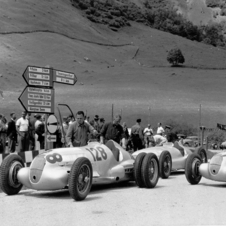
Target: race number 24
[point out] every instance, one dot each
(98, 153)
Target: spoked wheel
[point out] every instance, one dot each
(150, 170)
(8, 174)
(192, 169)
(202, 153)
(137, 170)
(80, 179)
(165, 164)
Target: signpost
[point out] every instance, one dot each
(37, 76)
(51, 138)
(37, 100)
(52, 124)
(38, 96)
(64, 77)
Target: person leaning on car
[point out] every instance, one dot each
(78, 131)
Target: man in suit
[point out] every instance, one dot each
(12, 133)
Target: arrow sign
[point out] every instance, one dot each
(51, 138)
(38, 76)
(37, 100)
(64, 77)
(52, 124)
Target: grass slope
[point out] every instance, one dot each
(127, 68)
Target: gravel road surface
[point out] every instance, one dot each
(173, 202)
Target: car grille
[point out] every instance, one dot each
(36, 168)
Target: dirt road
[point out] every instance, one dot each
(172, 202)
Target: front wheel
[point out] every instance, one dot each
(202, 153)
(192, 169)
(150, 170)
(80, 179)
(8, 174)
(165, 164)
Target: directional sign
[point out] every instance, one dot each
(64, 77)
(52, 124)
(38, 76)
(51, 138)
(36, 100)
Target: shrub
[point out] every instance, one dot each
(175, 57)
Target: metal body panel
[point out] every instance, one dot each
(215, 170)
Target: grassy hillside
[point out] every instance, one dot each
(127, 68)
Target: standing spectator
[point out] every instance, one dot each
(112, 131)
(70, 119)
(125, 136)
(137, 135)
(148, 132)
(40, 131)
(77, 134)
(32, 132)
(22, 126)
(3, 134)
(37, 123)
(12, 133)
(160, 130)
(102, 121)
(65, 126)
(96, 126)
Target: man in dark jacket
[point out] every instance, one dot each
(12, 133)
(112, 131)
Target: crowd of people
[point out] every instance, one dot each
(28, 132)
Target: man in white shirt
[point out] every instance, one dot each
(22, 126)
(148, 132)
(160, 130)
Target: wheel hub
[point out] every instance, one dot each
(13, 181)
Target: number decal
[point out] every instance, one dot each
(102, 152)
(98, 158)
(54, 158)
(91, 153)
(98, 154)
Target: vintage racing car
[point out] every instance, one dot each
(215, 169)
(77, 169)
(171, 157)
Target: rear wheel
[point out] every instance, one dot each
(137, 170)
(165, 164)
(8, 174)
(150, 170)
(80, 179)
(192, 169)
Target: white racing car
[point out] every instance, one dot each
(172, 157)
(76, 169)
(213, 170)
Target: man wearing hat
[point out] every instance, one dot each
(12, 133)
(137, 135)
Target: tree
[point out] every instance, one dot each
(175, 57)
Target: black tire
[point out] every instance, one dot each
(165, 164)
(202, 153)
(137, 170)
(8, 174)
(192, 169)
(150, 170)
(80, 179)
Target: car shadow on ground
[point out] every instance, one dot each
(223, 185)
